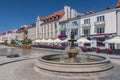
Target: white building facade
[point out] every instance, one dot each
(99, 26)
(9, 35)
(48, 27)
(32, 33)
(95, 26)
(69, 25)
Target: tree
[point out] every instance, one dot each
(5, 42)
(29, 41)
(13, 41)
(26, 41)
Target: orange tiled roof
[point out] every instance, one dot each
(118, 4)
(26, 28)
(60, 13)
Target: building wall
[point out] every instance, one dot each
(38, 22)
(51, 29)
(110, 21)
(118, 21)
(32, 33)
(13, 36)
(4, 37)
(70, 25)
(69, 13)
(20, 36)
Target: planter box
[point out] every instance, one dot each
(26, 47)
(13, 45)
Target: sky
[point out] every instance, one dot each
(16, 13)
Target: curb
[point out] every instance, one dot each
(7, 62)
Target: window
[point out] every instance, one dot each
(100, 18)
(52, 18)
(51, 34)
(100, 30)
(57, 17)
(112, 46)
(63, 25)
(76, 31)
(63, 32)
(100, 41)
(44, 28)
(75, 23)
(87, 21)
(41, 29)
(55, 26)
(86, 31)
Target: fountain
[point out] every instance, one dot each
(73, 63)
(72, 51)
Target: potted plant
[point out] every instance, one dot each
(5, 43)
(62, 36)
(29, 41)
(110, 51)
(26, 44)
(98, 50)
(13, 43)
(62, 29)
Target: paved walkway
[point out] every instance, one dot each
(23, 70)
(21, 67)
(24, 54)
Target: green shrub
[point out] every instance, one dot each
(5, 42)
(13, 42)
(26, 41)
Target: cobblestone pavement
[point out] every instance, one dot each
(23, 70)
(23, 52)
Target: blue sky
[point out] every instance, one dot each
(15, 13)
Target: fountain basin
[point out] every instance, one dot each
(100, 64)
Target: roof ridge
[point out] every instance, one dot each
(60, 13)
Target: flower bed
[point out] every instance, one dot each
(62, 36)
(98, 50)
(110, 51)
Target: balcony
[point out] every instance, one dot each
(101, 23)
(86, 25)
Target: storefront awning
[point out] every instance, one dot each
(99, 36)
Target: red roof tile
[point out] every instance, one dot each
(60, 14)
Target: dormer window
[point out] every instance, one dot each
(57, 17)
(45, 20)
(48, 20)
(52, 18)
